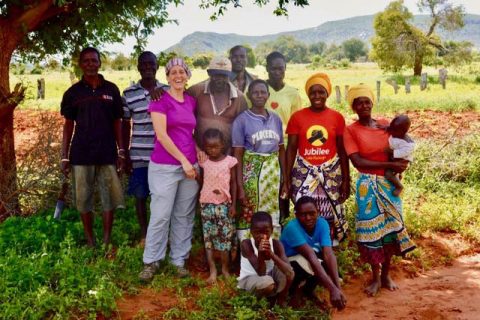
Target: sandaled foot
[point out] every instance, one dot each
(372, 288)
(388, 283)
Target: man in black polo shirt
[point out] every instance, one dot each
(92, 109)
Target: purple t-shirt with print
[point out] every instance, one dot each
(257, 133)
(180, 125)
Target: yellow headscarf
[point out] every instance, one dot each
(321, 79)
(360, 90)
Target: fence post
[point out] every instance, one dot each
(395, 86)
(378, 91)
(407, 85)
(41, 88)
(423, 81)
(442, 74)
(346, 91)
(339, 95)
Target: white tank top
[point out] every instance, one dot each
(246, 268)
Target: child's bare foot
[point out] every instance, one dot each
(397, 191)
(388, 283)
(373, 288)
(212, 279)
(225, 272)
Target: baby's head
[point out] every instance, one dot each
(261, 226)
(213, 143)
(399, 126)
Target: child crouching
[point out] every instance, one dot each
(264, 267)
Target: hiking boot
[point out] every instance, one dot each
(148, 272)
(182, 272)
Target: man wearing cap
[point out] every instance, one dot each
(137, 154)
(240, 77)
(218, 101)
(92, 109)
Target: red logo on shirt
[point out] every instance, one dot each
(274, 105)
(107, 97)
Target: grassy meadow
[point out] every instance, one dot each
(40, 277)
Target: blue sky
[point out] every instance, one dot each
(252, 20)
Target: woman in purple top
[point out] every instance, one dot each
(171, 174)
(257, 140)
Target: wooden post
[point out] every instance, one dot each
(339, 95)
(395, 86)
(442, 74)
(378, 91)
(346, 91)
(41, 88)
(407, 85)
(423, 81)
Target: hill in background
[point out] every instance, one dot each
(360, 27)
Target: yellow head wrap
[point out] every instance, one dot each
(360, 90)
(321, 79)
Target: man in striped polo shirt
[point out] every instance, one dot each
(140, 140)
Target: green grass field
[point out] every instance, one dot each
(461, 92)
(40, 277)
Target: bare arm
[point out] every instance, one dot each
(68, 127)
(238, 153)
(117, 127)
(159, 121)
(337, 297)
(360, 162)
(280, 259)
(258, 263)
(282, 159)
(345, 168)
(292, 148)
(126, 133)
(331, 263)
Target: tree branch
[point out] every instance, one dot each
(44, 10)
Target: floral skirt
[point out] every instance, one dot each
(379, 223)
(218, 226)
(261, 182)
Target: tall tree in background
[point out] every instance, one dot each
(35, 28)
(398, 43)
(354, 49)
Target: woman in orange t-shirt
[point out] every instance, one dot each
(379, 225)
(316, 161)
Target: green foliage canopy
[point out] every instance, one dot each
(398, 43)
(354, 49)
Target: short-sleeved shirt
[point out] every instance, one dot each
(369, 143)
(94, 112)
(135, 107)
(284, 102)
(180, 126)
(248, 79)
(294, 235)
(216, 176)
(257, 133)
(317, 133)
(211, 116)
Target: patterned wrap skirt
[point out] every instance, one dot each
(379, 223)
(261, 183)
(323, 184)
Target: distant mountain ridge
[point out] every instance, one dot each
(360, 27)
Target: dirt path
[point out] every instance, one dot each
(445, 293)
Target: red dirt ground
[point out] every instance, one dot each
(450, 289)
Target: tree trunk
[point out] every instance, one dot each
(8, 101)
(418, 64)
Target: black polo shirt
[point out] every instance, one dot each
(94, 112)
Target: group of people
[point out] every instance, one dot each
(221, 144)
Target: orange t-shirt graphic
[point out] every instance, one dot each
(317, 133)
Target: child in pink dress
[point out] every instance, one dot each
(217, 201)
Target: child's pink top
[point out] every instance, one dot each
(216, 176)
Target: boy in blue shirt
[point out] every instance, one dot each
(308, 246)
